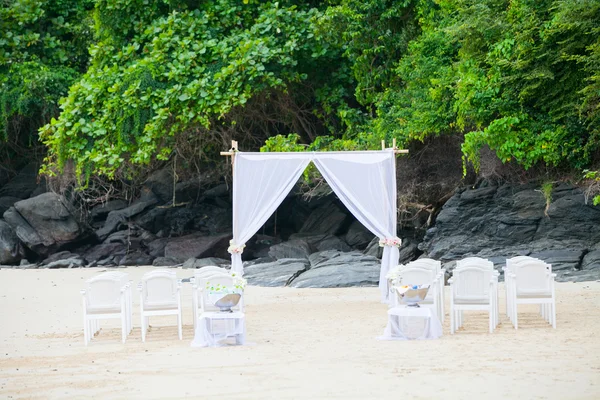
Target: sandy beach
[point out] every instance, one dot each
(303, 344)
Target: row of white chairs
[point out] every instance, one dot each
(108, 296)
(474, 286)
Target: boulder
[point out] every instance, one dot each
(165, 262)
(137, 257)
(156, 248)
(161, 184)
(22, 185)
(496, 222)
(101, 211)
(204, 262)
(118, 217)
(358, 237)
(43, 223)
(7, 202)
(11, 251)
(332, 243)
(105, 251)
(73, 262)
(61, 255)
(277, 273)
(290, 249)
(336, 269)
(591, 262)
(373, 249)
(327, 218)
(197, 246)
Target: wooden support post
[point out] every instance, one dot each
(383, 145)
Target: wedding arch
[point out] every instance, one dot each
(364, 181)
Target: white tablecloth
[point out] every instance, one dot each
(214, 328)
(408, 323)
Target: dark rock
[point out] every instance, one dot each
(11, 251)
(328, 218)
(105, 251)
(156, 248)
(509, 220)
(561, 259)
(276, 273)
(7, 202)
(408, 252)
(101, 211)
(259, 246)
(198, 246)
(373, 249)
(118, 217)
(332, 243)
(136, 258)
(161, 184)
(290, 249)
(358, 236)
(206, 219)
(337, 269)
(165, 262)
(22, 185)
(43, 223)
(221, 190)
(61, 255)
(591, 261)
(205, 262)
(73, 262)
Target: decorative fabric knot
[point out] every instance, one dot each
(234, 248)
(389, 242)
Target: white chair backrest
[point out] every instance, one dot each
(472, 282)
(428, 263)
(103, 291)
(519, 259)
(159, 287)
(208, 270)
(532, 276)
(415, 276)
(475, 262)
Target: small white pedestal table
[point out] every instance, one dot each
(409, 323)
(213, 328)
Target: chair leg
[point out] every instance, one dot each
(553, 313)
(515, 317)
(180, 329)
(86, 329)
(491, 318)
(123, 326)
(143, 326)
(452, 319)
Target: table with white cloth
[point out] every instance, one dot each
(214, 328)
(409, 323)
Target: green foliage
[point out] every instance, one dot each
(184, 71)
(43, 50)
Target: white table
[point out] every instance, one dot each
(214, 328)
(408, 323)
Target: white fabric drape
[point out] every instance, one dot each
(260, 184)
(412, 323)
(365, 181)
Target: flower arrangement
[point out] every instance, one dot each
(395, 241)
(239, 284)
(392, 275)
(234, 248)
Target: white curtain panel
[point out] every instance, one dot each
(261, 181)
(365, 181)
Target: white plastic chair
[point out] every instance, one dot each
(104, 297)
(420, 276)
(533, 283)
(436, 266)
(128, 296)
(199, 274)
(160, 294)
(486, 264)
(473, 287)
(509, 285)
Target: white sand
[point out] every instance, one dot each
(305, 344)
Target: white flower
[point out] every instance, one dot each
(395, 241)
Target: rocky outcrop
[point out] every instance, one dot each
(276, 273)
(116, 218)
(11, 251)
(43, 223)
(498, 222)
(197, 246)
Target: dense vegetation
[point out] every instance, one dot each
(180, 78)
